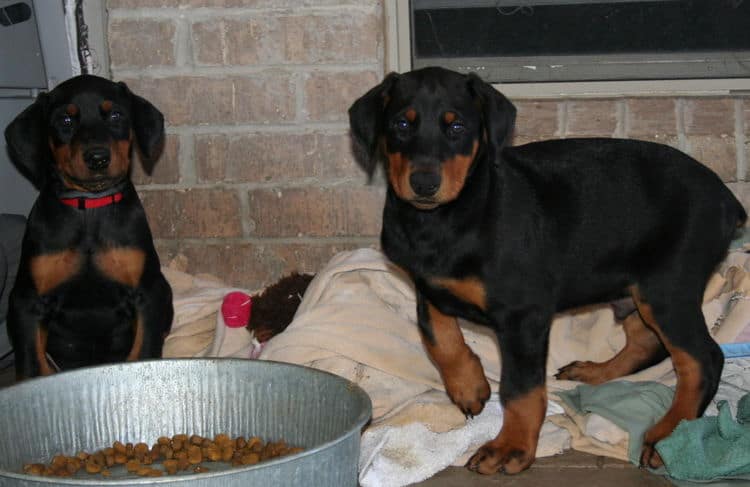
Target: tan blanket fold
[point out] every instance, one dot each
(198, 329)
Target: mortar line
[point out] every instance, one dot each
(301, 128)
(301, 183)
(739, 139)
(682, 140)
(164, 71)
(202, 13)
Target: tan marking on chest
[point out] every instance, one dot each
(135, 351)
(50, 270)
(122, 264)
(470, 289)
(40, 349)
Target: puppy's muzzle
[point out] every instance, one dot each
(97, 158)
(425, 183)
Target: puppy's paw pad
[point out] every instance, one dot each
(650, 457)
(471, 402)
(588, 372)
(490, 459)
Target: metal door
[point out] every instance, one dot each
(34, 56)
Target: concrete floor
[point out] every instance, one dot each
(572, 468)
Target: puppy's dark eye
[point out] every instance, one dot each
(457, 128)
(115, 116)
(402, 124)
(66, 120)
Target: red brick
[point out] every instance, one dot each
(188, 100)
(670, 140)
(263, 98)
(273, 157)
(209, 42)
(192, 213)
(317, 212)
(334, 38)
(277, 39)
(166, 170)
(139, 43)
(651, 117)
(592, 117)
(252, 265)
(328, 95)
(718, 153)
(537, 119)
(709, 116)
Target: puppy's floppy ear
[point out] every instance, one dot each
(498, 113)
(148, 126)
(28, 146)
(366, 123)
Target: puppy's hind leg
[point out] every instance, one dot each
(642, 349)
(697, 359)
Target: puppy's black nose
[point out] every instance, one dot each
(97, 158)
(425, 183)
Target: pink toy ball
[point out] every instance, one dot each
(236, 309)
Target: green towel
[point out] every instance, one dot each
(711, 447)
(633, 406)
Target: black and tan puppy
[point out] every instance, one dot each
(507, 236)
(89, 289)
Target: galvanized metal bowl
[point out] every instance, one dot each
(89, 409)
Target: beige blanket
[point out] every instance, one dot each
(357, 320)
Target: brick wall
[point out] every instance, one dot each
(257, 178)
(710, 129)
(714, 130)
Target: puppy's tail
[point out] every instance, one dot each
(737, 216)
(741, 215)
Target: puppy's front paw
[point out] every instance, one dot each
(498, 455)
(467, 385)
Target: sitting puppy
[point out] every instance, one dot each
(89, 288)
(507, 236)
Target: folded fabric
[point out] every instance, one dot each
(710, 447)
(733, 350)
(633, 406)
(396, 455)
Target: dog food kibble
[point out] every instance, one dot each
(181, 453)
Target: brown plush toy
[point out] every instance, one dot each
(274, 308)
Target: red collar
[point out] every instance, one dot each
(83, 203)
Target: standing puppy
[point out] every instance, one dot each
(89, 289)
(507, 236)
